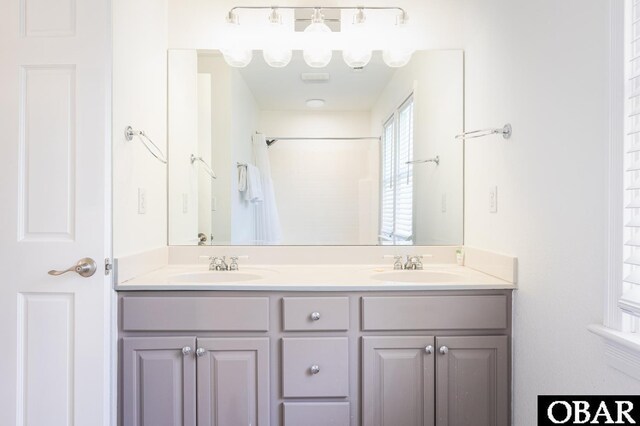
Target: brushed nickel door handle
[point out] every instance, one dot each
(85, 267)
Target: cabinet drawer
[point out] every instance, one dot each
(434, 313)
(195, 313)
(315, 313)
(331, 357)
(316, 414)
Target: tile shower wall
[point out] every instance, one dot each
(339, 176)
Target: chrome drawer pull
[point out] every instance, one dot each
(429, 350)
(444, 350)
(315, 316)
(315, 369)
(186, 350)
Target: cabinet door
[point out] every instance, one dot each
(472, 381)
(233, 381)
(159, 381)
(398, 381)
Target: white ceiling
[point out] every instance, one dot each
(283, 89)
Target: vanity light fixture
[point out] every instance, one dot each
(357, 54)
(235, 50)
(315, 103)
(399, 52)
(357, 40)
(316, 54)
(277, 54)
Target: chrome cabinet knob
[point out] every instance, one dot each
(315, 316)
(429, 350)
(444, 350)
(186, 350)
(201, 352)
(315, 369)
(85, 267)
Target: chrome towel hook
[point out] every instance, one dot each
(505, 131)
(129, 133)
(435, 159)
(208, 170)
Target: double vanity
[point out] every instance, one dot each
(315, 345)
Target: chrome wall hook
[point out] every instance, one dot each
(505, 131)
(129, 133)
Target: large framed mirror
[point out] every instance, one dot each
(306, 156)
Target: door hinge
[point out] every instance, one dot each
(108, 266)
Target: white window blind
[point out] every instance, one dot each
(396, 209)
(630, 300)
(404, 174)
(387, 196)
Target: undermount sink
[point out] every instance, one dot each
(213, 277)
(418, 277)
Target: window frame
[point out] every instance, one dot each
(394, 117)
(622, 347)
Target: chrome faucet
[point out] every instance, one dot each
(397, 263)
(219, 263)
(413, 262)
(233, 266)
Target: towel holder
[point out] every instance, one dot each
(129, 133)
(435, 159)
(208, 170)
(505, 131)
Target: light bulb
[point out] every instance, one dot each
(398, 54)
(357, 54)
(277, 54)
(356, 57)
(234, 48)
(316, 54)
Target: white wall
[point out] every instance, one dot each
(139, 100)
(436, 79)
(204, 150)
(323, 188)
(234, 115)
(244, 123)
(541, 65)
(183, 142)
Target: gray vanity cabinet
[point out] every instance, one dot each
(398, 381)
(472, 381)
(159, 381)
(464, 379)
(251, 358)
(233, 381)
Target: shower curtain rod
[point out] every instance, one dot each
(271, 140)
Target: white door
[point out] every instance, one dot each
(54, 192)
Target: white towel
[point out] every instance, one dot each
(242, 178)
(254, 185)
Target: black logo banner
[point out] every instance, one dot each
(588, 410)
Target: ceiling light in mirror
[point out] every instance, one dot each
(357, 54)
(235, 47)
(316, 53)
(315, 103)
(398, 53)
(276, 54)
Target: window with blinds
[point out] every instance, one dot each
(629, 302)
(396, 192)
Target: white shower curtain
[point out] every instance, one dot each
(268, 229)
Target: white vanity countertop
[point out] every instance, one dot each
(315, 278)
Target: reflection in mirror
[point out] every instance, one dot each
(303, 156)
